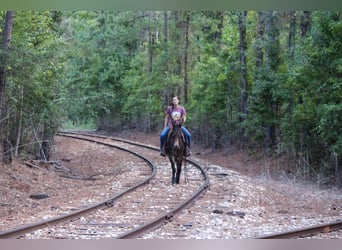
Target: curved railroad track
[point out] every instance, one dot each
(306, 232)
(153, 210)
(303, 232)
(132, 213)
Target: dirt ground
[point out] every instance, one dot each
(252, 164)
(22, 179)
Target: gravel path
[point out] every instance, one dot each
(239, 204)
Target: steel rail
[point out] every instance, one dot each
(302, 232)
(166, 217)
(108, 203)
(306, 231)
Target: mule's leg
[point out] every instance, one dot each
(179, 169)
(174, 173)
(173, 178)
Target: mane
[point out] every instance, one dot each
(176, 132)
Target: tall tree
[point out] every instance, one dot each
(166, 49)
(259, 54)
(186, 56)
(151, 56)
(6, 41)
(306, 22)
(243, 62)
(265, 100)
(273, 59)
(36, 73)
(292, 35)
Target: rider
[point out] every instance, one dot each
(176, 114)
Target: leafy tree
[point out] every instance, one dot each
(314, 126)
(33, 80)
(268, 79)
(6, 40)
(215, 96)
(100, 49)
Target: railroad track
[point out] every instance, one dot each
(88, 224)
(306, 231)
(137, 210)
(298, 233)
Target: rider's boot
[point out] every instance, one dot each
(162, 150)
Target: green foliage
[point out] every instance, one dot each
(97, 63)
(120, 69)
(313, 124)
(215, 93)
(33, 79)
(83, 125)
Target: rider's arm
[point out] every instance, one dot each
(183, 118)
(166, 120)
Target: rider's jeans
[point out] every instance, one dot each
(166, 130)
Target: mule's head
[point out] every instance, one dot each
(177, 143)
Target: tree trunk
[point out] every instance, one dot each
(259, 54)
(177, 39)
(20, 124)
(167, 96)
(6, 41)
(186, 61)
(292, 35)
(243, 79)
(272, 57)
(218, 35)
(305, 23)
(291, 53)
(166, 29)
(338, 170)
(150, 45)
(243, 62)
(45, 148)
(272, 44)
(152, 37)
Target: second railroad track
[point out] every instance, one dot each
(147, 199)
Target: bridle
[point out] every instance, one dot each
(177, 137)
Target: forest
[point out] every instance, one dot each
(268, 81)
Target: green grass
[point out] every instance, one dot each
(81, 125)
